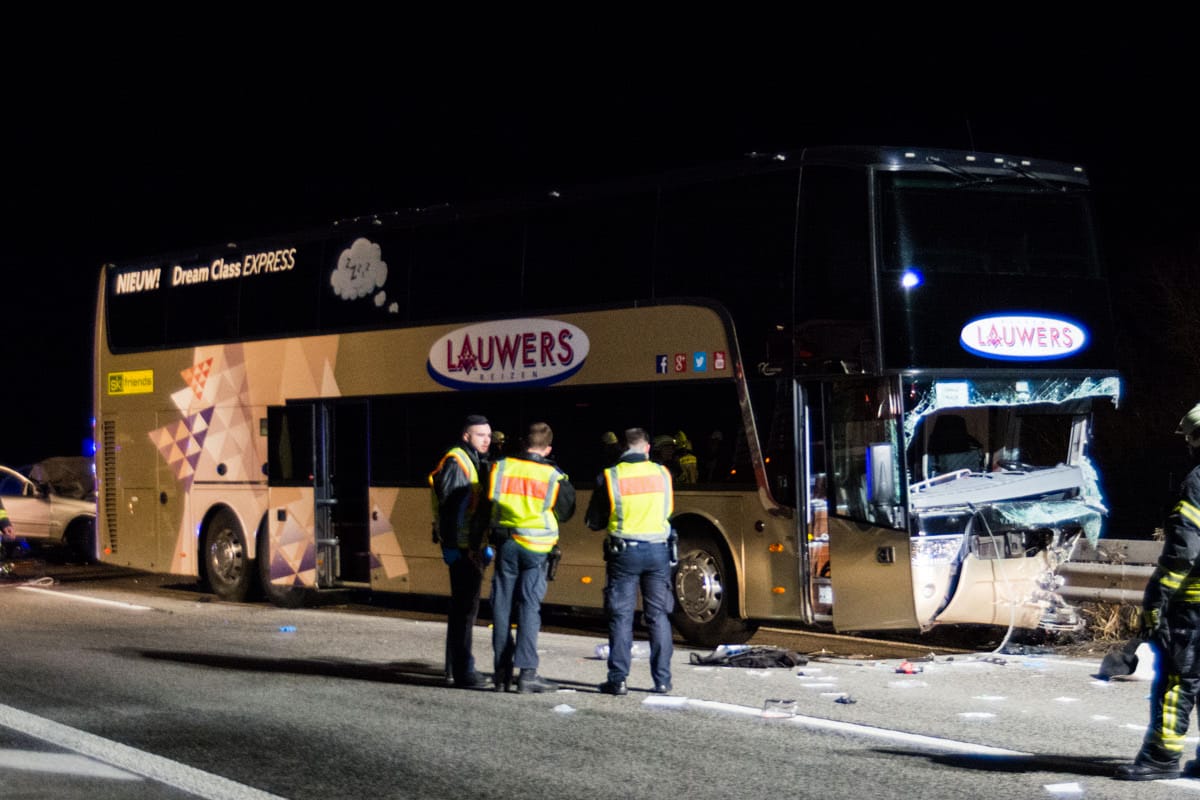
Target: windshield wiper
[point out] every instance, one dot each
(968, 178)
(1024, 173)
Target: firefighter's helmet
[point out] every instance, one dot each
(1190, 422)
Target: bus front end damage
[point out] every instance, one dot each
(1000, 488)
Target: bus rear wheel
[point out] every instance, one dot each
(704, 595)
(226, 563)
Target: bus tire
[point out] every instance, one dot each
(227, 564)
(705, 594)
(282, 596)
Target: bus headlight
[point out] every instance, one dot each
(934, 550)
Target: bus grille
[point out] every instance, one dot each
(109, 434)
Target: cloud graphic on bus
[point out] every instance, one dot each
(360, 270)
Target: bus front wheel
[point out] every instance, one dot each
(704, 589)
(226, 563)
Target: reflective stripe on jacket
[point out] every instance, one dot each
(1178, 570)
(460, 517)
(524, 493)
(641, 498)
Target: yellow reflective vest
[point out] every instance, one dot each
(642, 500)
(523, 494)
(467, 474)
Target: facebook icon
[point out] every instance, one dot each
(660, 365)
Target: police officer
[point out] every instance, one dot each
(1171, 621)
(457, 489)
(633, 501)
(529, 497)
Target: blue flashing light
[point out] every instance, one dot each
(911, 279)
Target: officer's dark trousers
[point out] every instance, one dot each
(647, 566)
(519, 581)
(466, 580)
(1176, 685)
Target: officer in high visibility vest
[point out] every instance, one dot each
(1171, 622)
(633, 501)
(529, 497)
(457, 489)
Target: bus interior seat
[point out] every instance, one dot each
(952, 448)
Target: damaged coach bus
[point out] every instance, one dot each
(872, 370)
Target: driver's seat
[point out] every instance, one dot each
(951, 448)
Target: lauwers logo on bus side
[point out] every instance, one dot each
(1026, 337)
(516, 352)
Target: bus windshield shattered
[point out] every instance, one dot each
(998, 469)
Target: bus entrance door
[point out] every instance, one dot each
(319, 531)
(870, 562)
(340, 494)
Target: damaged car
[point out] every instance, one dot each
(53, 502)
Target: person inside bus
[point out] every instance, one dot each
(528, 497)
(496, 451)
(460, 528)
(663, 451)
(610, 449)
(689, 466)
(716, 458)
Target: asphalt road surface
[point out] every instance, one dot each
(126, 686)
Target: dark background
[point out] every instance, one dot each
(149, 142)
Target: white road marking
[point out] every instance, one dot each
(164, 770)
(83, 598)
(816, 723)
(61, 764)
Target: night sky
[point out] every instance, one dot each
(135, 151)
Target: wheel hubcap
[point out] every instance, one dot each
(226, 556)
(698, 587)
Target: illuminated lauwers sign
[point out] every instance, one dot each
(1023, 337)
(516, 352)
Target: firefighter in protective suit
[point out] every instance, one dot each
(1171, 622)
(6, 536)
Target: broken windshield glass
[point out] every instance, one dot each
(1016, 446)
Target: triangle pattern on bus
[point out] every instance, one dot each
(181, 443)
(196, 376)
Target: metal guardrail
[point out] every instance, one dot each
(1114, 571)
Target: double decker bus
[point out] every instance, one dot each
(882, 361)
